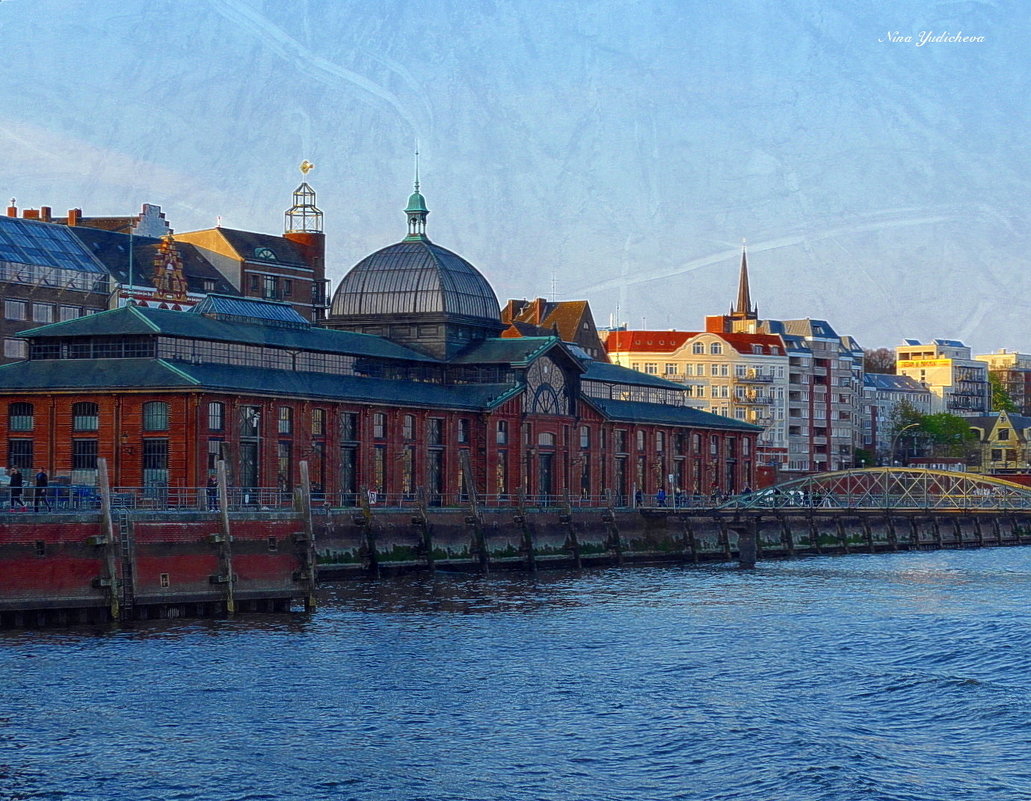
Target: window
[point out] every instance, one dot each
(660, 441)
(546, 438)
(288, 288)
(585, 437)
(268, 287)
(42, 312)
(502, 435)
(435, 431)
(349, 427)
(716, 348)
(216, 452)
(620, 442)
(318, 422)
(651, 368)
(208, 285)
(155, 416)
(463, 430)
(85, 417)
(250, 421)
(379, 425)
(698, 348)
(408, 427)
(155, 462)
(640, 440)
(16, 348)
(714, 446)
(19, 417)
(216, 416)
(1004, 433)
(285, 420)
(84, 454)
(264, 253)
(671, 368)
(19, 453)
(69, 313)
(16, 310)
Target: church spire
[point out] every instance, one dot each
(416, 209)
(743, 309)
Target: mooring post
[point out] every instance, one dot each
(475, 518)
(224, 540)
(365, 521)
(309, 560)
(526, 544)
(422, 521)
(747, 543)
(110, 541)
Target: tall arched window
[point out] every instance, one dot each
(85, 416)
(155, 416)
(19, 417)
(716, 348)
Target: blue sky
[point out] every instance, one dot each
(618, 151)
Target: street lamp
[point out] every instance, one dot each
(895, 439)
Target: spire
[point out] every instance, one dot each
(743, 309)
(416, 209)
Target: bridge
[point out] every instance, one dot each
(887, 488)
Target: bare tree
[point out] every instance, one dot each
(879, 360)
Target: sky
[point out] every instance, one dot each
(614, 151)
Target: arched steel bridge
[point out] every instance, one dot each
(888, 488)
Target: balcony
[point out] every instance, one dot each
(754, 378)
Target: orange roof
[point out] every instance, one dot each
(669, 341)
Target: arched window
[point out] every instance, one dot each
(85, 416)
(408, 427)
(155, 416)
(716, 348)
(698, 348)
(19, 417)
(502, 438)
(546, 438)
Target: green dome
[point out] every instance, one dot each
(416, 202)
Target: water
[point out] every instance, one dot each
(901, 676)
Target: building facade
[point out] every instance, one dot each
(958, 382)
(883, 394)
(1014, 373)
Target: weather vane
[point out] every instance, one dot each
(306, 167)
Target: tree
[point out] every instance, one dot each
(879, 360)
(1002, 401)
(950, 433)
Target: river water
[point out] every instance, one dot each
(896, 676)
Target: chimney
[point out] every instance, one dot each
(30, 214)
(12, 210)
(74, 215)
(45, 213)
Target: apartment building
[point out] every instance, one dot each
(958, 382)
(1014, 373)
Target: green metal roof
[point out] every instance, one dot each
(516, 351)
(615, 374)
(87, 374)
(638, 412)
(138, 320)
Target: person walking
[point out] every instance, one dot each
(41, 491)
(17, 483)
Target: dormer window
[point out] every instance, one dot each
(264, 253)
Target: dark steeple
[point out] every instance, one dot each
(743, 310)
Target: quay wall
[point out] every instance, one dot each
(352, 543)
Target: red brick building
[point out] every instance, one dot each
(419, 386)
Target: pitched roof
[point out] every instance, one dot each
(518, 352)
(565, 316)
(112, 250)
(616, 374)
(893, 383)
(247, 244)
(638, 412)
(670, 341)
(137, 320)
(73, 375)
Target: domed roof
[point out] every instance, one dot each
(416, 276)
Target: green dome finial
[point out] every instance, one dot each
(416, 209)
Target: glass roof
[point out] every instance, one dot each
(46, 244)
(414, 278)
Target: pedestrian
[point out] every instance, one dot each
(212, 490)
(41, 491)
(17, 482)
(660, 497)
(747, 490)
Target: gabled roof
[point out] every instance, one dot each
(638, 412)
(543, 316)
(137, 320)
